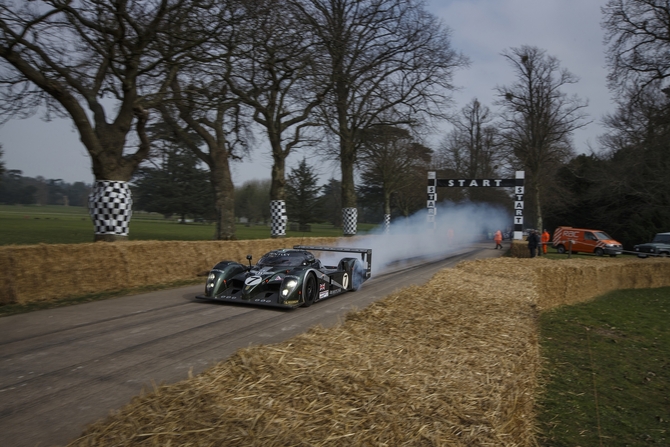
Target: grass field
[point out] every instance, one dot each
(55, 224)
(607, 371)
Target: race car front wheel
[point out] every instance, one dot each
(309, 290)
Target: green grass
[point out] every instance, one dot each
(607, 371)
(54, 224)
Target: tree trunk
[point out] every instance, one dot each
(110, 202)
(278, 196)
(110, 206)
(387, 211)
(349, 211)
(538, 208)
(224, 192)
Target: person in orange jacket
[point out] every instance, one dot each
(498, 239)
(545, 241)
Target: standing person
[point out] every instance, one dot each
(545, 241)
(533, 242)
(498, 239)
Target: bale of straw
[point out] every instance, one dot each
(519, 249)
(453, 362)
(567, 281)
(7, 280)
(450, 363)
(55, 271)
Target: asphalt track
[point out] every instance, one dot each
(64, 368)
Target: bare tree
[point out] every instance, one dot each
(538, 119)
(95, 62)
(472, 149)
(638, 39)
(2, 164)
(387, 158)
(271, 66)
(201, 110)
(207, 109)
(390, 63)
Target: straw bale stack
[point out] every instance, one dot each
(7, 289)
(53, 271)
(572, 281)
(453, 362)
(519, 249)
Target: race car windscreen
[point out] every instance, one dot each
(282, 259)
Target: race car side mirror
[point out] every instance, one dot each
(249, 259)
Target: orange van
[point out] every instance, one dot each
(585, 241)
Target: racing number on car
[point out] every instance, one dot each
(345, 281)
(253, 280)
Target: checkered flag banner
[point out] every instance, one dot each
(278, 218)
(349, 221)
(110, 206)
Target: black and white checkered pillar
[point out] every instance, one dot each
(110, 206)
(387, 223)
(278, 218)
(349, 221)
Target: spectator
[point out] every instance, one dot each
(533, 242)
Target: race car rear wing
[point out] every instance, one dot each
(366, 253)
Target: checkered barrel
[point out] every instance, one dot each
(110, 206)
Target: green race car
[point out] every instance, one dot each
(287, 278)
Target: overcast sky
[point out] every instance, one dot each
(481, 29)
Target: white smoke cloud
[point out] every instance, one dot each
(413, 238)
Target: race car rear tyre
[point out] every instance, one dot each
(309, 290)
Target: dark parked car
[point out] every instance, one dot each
(287, 277)
(659, 246)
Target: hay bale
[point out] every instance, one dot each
(572, 281)
(54, 271)
(7, 279)
(451, 363)
(454, 362)
(519, 249)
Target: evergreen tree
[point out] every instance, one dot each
(302, 198)
(330, 203)
(178, 186)
(253, 201)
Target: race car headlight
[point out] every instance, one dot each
(211, 277)
(288, 286)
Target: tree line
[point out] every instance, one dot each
(303, 73)
(358, 81)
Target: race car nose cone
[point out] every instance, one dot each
(252, 281)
